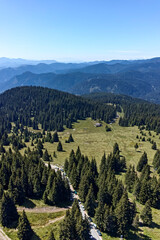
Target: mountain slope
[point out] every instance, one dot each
(135, 84)
(53, 109)
(8, 73)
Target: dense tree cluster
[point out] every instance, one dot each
(52, 109)
(102, 193)
(82, 173)
(145, 187)
(115, 213)
(74, 226)
(27, 176)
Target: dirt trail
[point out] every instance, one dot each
(42, 209)
(50, 222)
(3, 236)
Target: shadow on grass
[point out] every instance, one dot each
(136, 236)
(155, 225)
(67, 204)
(35, 237)
(28, 204)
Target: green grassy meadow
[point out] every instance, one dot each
(94, 141)
(41, 223)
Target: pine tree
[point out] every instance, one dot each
(116, 149)
(40, 147)
(123, 214)
(74, 177)
(130, 178)
(83, 228)
(70, 139)
(24, 229)
(51, 236)
(54, 154)
(137, 188)
(156, 160)
(55, 137)
(37, 191)
(99, 215)
(110, 221)
(102, 164)
(83, 188)
(154, 146)
(46, 156)
(90, 202)
(8, 211)
(118, 192)
(142, 162)
(146, 214)
(145, 192)
(59, 147)
(136, 146)
(66, 164)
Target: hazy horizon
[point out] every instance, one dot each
(70, 60)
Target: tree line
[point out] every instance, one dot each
(136, 111)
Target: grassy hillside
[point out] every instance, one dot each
(94, 141)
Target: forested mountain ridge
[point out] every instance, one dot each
(53, 109)
(7, 73)
(135, 84)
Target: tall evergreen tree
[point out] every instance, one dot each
(46, 156)
(66, 164)
(70, 139)
(24, 229)
(55, 137)
(146, 214)
(156, 160)
(142, 162)
(123, 214)
(99, 215)
(116, 148)
(59, 147)
(8, 211)
(90, 202)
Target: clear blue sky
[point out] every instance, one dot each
(77, 30)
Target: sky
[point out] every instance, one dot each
(80, 30)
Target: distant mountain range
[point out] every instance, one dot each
(16, 62)
(138, 78)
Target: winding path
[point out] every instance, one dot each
(41, 209)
